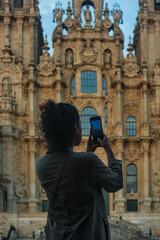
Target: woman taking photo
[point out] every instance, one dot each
(73, 181)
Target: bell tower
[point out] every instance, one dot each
(147, 33)
(21, 43)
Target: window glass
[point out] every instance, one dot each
(18, 3)
(132, 206)
(5, 200)
(106, 114)
(44, 205)
(131, 126)
(131, 178)
(88, 82)
(104, 85)
(86, 114)
(72, 85)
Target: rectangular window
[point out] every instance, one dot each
(5, 200)
(88, 82)
(132, 206)
(45, 205)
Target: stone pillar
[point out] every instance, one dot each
(7, 8)
(145, 44)
(8, 166)
(146, 177)
(32, 39)
(59, 92)
(119, 103)
(7, 22)
(33, 202)
(20, 37)
(145, 124)
(157, 39)
(119, 196)
(31, 97)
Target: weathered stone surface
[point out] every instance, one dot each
(29, 77)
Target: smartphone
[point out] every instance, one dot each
(96, 128)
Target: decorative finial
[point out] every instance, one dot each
(117, 13)
(45, 47)
(69, 10)
(106, 11)
(58, 13)
(130, 47)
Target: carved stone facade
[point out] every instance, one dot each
(127, 97)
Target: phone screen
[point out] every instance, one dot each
(96, 126)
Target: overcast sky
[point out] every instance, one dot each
(129, 8)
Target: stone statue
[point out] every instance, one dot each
(107, 57)
(88, 16)
(69, 57)
(6, 86)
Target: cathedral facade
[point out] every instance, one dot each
(89, 70)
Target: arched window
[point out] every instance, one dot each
(131, 178)
(157, 5)
(72, 85)
(88, 82)
(86, 114)
(131, 126)
(106, 114)
(18, 3)
(104, 85)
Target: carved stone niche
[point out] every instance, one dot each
(69, 58)
(107, 58)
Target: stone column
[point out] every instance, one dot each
(20, 37)
(59, 92)
(8, 156)
(33, 202)
(119, 196)
(119, 103)
(7, 22)
(157, 39)
(146, 177)
(145, 124)
(32, 39)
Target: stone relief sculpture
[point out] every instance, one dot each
(69, 57)
(107, 57)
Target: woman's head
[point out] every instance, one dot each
(60, 124)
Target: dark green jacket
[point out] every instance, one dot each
(78, 208)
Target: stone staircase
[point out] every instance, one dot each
(124, 230)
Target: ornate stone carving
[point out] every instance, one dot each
(69, 21)
(131, 108)
(88, 52)
(58, 13)
(107, 24)
(156, 182)
(20, 186)
(46, 65)
(130, 66)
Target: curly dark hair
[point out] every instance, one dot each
(58, 123)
